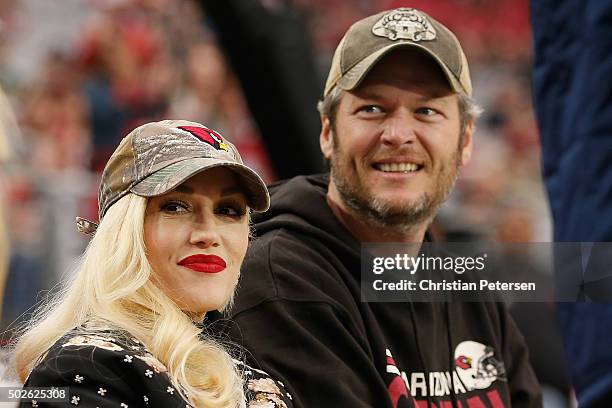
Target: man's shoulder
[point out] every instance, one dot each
(286, 264)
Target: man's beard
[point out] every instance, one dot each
(395, 218)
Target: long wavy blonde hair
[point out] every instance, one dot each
(113, 283)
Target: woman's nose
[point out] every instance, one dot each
(205, 234)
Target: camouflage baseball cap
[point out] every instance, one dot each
(156, 157)
(368, 40)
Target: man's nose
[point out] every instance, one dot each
(205, 234)
(399, 129)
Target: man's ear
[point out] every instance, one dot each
(326, 138)
(466, 149)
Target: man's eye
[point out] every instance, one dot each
(371, 109)
(426, 111)
(175, 207)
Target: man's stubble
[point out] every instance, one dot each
(381, 214)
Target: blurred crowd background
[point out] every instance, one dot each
(79, 74)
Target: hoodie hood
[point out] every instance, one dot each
(300, 310)
(300, 205)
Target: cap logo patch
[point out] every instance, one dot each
(404, 24)
(207, 135)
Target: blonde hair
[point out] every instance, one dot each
(113, 283)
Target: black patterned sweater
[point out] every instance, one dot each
(113, 369)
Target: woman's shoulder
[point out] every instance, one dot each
(110, 367)
(98, 338)
(102, 348)
(105, 368)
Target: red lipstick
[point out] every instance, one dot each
(204, 263)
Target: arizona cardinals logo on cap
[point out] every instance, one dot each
(207, 135)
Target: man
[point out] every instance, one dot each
(397, 123)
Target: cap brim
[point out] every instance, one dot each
(170, 177)
(357, 73)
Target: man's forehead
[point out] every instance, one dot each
(406, 67)
(380, 85)
(421, 94)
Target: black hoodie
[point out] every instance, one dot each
(299, 313)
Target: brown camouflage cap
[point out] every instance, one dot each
(368, 40)
(156, 157)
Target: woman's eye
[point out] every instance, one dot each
(231, 211)
(175, 207)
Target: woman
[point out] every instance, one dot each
(174, 206)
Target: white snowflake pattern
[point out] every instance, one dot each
(101, 391)
(145, 398)
(35, 403)
(124, 405)
(75, 400)
(149, 373)
(170, 390)
(128, 359)
(289, 396)
(78, 379)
